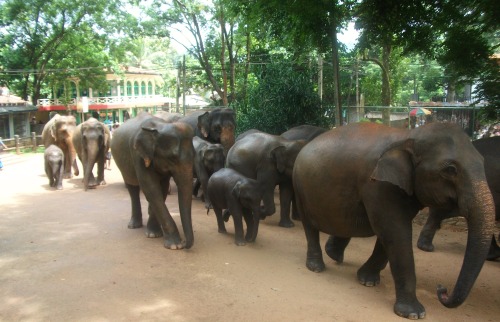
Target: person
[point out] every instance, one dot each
(107, 161)
(2, 146)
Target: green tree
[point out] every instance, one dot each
(39, 39)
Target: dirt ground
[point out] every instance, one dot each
(69, 256)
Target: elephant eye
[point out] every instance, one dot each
(450, 170)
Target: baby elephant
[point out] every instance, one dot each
(54, 165)
(228, 189)
(209, 158)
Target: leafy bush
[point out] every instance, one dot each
(283, 97)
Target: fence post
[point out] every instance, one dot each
(18, 149)
(33, 141)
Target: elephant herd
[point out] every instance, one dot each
(358, 180)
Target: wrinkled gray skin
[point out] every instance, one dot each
(54, 165)
(230, 190)
(387, 176)
(91, 140)
(216, 125)
(209, 158)
(148, 151)
(269, 159)
(489, 148)
(59, 131)
(247, 132)
(168, 117)
(302, 132)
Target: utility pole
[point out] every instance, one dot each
(178, 90)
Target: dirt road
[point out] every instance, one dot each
(68, 256)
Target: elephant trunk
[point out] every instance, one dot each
(184, 182)
(480, 214)
(91, 154)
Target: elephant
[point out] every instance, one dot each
(91, 140)
(229, 189)
(269, 159)
(54, 165)
(247, 132)
(148, 152)
(59, 131)
(303, 132)
(489, 148)
(366, 179)
(214, 125)
(209, 158)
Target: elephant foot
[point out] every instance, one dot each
(102, 183)
(412, 310)
(286, 223)
(153, 233)
(425, 245)
(174, 243)
(222, 230)
(225, 215)
(134, 223)
(315, 264)
(77, 173)
(334, 250)
(240, 243)
(59, 188)
(368, 277)
(67, 176)
(494, 252)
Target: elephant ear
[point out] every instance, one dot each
(396, 166)
(278, 155)
(236, 191)
(145, 142)
(204, 124)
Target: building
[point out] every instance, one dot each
(131, 91)
(14, 115)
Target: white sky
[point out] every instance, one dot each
(348, 36)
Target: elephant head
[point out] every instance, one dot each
(213, 157)
(249, 193)
(439, 165)
(167, 149)
(218, 126)
(91, 140)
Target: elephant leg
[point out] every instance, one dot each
(100, 170)
(196, 187)
(432, 224)
(153, 227)
(335, 246)
(237, 212)
(136, 218)
(220, 221)
(369, 273)
(494, 252)
(286, 193)
(314, 261)
(76, 171)
(252, 223)
(226, 215)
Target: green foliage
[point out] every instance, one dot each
(284, 97)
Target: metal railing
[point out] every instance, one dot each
(20, 143)
(104, 100)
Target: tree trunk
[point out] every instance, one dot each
(386, 84)
(336, 76)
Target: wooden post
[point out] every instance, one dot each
(18, 148)
(33, 141)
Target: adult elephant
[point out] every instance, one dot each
(59, 131)
(169, 117)
(149, 151)
(489, 148)
(366, 179)
(214, 125)
(269, 159)
(91, 140)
